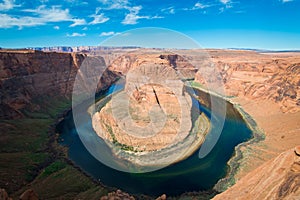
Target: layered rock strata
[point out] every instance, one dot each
(151, 118)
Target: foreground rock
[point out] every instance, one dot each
(4, 195)
(162, 197)
(117, 195)
(29, 195)
(278, 178)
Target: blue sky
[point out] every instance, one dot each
(263, 24)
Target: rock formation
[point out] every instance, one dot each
(162, 197)
(259, 76)
(265, 84)
(117, 195)
(153, 112)
(278, 178)
(128, 61)
(27, 76)
(4, 195)
(29, 195)
(158, 107)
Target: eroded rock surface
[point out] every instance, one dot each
(259, 76)
(278, 178)
(153, 113)
(29, 194)
(117, 195)
(26, 77)
(4, 195)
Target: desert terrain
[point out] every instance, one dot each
(36, 89)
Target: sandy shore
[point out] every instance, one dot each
(281, 130)
(273, 133)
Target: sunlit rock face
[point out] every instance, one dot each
(282, 174)
(152, 112)
(258, 76)
(151, 116)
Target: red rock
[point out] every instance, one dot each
(29, 195)
(162, 197)
(117, 195)
(297, 150)
(4, 195)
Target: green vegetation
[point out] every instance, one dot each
(65, 183)
(24, 134)
(109, 129)
(195, 84)
(173, 117)
(29, 154)
(116, 142)
(54, 167)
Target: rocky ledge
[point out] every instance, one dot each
(278, 178)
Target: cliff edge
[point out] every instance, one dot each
(278, 178)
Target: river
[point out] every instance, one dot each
(191, 174)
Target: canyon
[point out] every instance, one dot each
(264, 85)
(28, 75)
(151, 118)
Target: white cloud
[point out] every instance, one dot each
(110, 33)
(99, 19)
(76, 35)
(56, 27)
(39, 16)
(130, 18)
(200, 6)
(285, 1)
(78, 22)
(172, 11)
(225, 1)
(169, 10)
(54, 14)
(7, 5)
(85, 28)
(9, 21)
(227, 4)
(155, 17)
(133, 17)
(114, 4)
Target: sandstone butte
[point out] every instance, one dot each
(265, 85)
(151, 119)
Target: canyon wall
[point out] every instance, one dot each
(259, 76)
(266, 85)
(28, 76)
